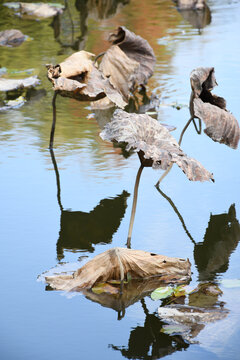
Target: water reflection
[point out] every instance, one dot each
(220, 240)
(79, 230)
(66, 26)
(198, 18)
(149, 341)
(173, 327)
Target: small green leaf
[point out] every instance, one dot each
(173, 329)
(162, 293)
(230, 283)
(180, 291)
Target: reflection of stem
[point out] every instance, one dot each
(54, 120)
(177, 212)
(71, 20)
(57, 179)
(134, 206)
(145, 309)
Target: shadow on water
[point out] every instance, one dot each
(79, 230)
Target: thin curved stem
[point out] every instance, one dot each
(164, 174)
(98, 56)
(179, 143)
(199, 125)
(184, 129)
(134, 204)
(54, 120)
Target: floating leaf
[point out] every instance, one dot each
(155, 145)
(230, 283)
(180, 291)
(11, 37)
(173, 329)
(115, 263)
(162, 293)
(211, 109)
(188, 315)
(13, 104)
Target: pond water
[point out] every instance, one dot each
(57, 217)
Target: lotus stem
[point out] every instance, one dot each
(53, 121)
(179, 143)
(98, 56)
(184, 129)
(134, 204)
(199, 125)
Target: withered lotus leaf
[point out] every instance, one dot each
(120, 70)
(77, 77)
(155, 145)
(136, 48)
(121, 263)
(222, 126)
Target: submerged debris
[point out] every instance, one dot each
(12, 37)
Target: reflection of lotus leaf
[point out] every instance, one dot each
(150, 341)
(80, 230)
(220, 240)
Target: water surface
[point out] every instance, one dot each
(43, 225)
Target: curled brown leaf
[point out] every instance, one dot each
(136, 48)
(222, 126)
(77, 77)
